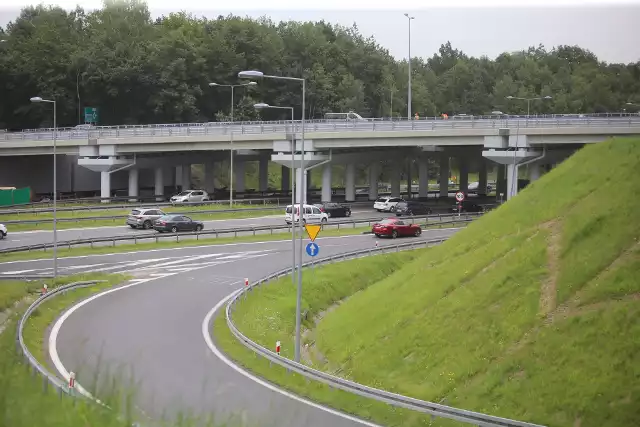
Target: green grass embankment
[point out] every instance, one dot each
(531, 313)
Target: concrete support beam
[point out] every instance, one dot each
(350, 182)
(482, 177)
(301, 187)
(209, 177)
(501, 183)
(159, 184)
(463, 179)
(374, 176)
(263, 174)
(105, 185)
(133, 183)
(423, 178)
(534, 171)
(285, 179)
(395, 179)
(326, 182)
(238, 179)
(444, 176)
(186, 177)
(512, 180)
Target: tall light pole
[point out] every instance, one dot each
(410, 18)
(55, 184)
(254, 74)
(231, 135)
(263, 106)
(529, 100)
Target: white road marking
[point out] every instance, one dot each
(207, 338)
(268, 242)
(17, 272)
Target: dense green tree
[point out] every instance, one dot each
(141, 70)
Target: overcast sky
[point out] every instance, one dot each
(490, 27)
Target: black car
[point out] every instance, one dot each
(467, 206)
(412, 208)
(175, 223)
(335, 209)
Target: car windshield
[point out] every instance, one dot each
(184, 193)
(135, 212)
(387, 222)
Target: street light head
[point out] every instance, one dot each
(251, 74)
(509, 97)
(213, 84)
(629, 103)
(261, 106)
(548, 97)
(251, 84)
(36, 99)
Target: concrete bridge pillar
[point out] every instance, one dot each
(159, 184)
(464, 175)
(482, 178)
(534, 172)
(263, 174)
(301, 186)
(501, 182)
(285, 179)
(350, 182)
(326, 182)
(374, 175)
(209, 177)
(238, 179)
(133, 184)
(444, 176)
(186, 177)
(395, 179)
(423, 178)
(105, 185)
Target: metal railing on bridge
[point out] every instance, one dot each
(325, 125)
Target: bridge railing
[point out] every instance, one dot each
(375, 124)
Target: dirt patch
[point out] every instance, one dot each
(548, 288)
(309, 353)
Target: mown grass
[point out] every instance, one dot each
(530, 313)
(252, 212)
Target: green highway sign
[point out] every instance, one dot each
(91, 115)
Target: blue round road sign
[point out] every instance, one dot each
(313, 249)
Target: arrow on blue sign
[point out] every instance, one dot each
(313, 249)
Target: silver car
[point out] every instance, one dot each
(190, 196)
(144, 217)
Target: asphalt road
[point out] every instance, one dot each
(153, 329)
(26, 238)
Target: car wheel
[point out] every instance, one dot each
(2, 235)
(146, 225)
(410, 213)
(174, 229)
(323, 220)
(132, 226)
(418, 232)
(348, 213)
(379, 210)
(328, 214)
(394, 234)
(377, 235)
(198, 228)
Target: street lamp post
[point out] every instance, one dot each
(231, 135)
(254, 74)
(410, 18)
(263, 106)
(55, 184)
(529, 100)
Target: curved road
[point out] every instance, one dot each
(154, 328)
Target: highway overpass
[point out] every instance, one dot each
(162, 154)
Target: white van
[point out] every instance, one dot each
(312, 214)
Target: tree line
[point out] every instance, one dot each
(140, 70)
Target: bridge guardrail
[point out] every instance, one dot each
(434, 409)
(256, 128)
(156, 237)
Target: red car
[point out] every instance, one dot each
(395, 227)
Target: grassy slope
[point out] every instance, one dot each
(530, 313)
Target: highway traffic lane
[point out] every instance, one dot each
(154, 329)
(26, 238)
